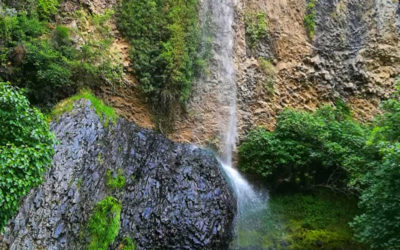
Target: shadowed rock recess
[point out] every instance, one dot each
(175, 196)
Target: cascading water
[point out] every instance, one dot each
(222, 72)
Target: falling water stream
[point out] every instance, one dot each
(249, 202)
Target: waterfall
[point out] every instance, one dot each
(222, 72)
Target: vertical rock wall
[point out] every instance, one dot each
(355, 56)
(175, 196)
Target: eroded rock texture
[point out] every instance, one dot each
(354, 56)
(175, 196)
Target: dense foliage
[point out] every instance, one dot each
(306, 149)
(104, 223)
(42, 58)
(379, 182)
(165, 40)
(26, 149)
(328, 148)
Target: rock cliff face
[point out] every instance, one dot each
(174, 197)
(354, 55)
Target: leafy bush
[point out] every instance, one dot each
(309, 19)
(47, 8)
(26, 149)
(305, 150)
(256, 27)
(104, 223)
(45, 73)
(47, 63)
(15, 29)
(378, 225)
(328, 148)
(165, 40)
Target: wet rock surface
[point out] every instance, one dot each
(175, 196)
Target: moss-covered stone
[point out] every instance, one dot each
(104, 223)
(115, 182)
(103, 111)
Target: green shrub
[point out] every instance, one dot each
(117, 182)
(306, 149)
(47, 63)
(47, 8)
(15, 29)
(104, 223)
(26, 149)
(378, 224)
(45, 73)
(255, 27)
(165, 40)
(309, 19)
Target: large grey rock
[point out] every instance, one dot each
(175, 196)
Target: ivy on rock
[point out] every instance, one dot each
(26, 149)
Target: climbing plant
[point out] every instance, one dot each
(26, 149)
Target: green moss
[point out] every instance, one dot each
(127, 244)
(117, 182)
(104, 224)
(104, 112)
(302, 221)
(255, 27)
(309, 19)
